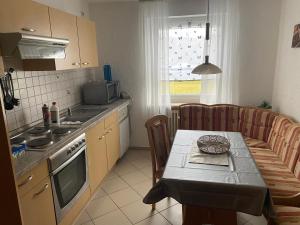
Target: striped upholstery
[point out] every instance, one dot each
(287, 215)
(193, 117)
(204, 117)
(278, 133)
(256, 123)
(255, 143)
(279, 178)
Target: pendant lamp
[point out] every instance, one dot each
(207, 67)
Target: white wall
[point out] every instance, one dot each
(258, 39)
(117, 33)
(117, 36)
(286, 92)
(76, 7)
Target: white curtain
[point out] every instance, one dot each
(223, 51)
(153, 25)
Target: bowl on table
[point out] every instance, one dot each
(213, 144)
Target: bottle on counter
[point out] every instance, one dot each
(46, 115)
(54, 111)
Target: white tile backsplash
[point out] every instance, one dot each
(37, 88)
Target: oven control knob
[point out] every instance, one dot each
(83, 140)
(76, 145)
(69, 152)
(73, 149)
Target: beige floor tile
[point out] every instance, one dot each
(111, 175)
(143, 188)
(243, 218)
(147, 171)
(133, 155)
(134, 178)
(138, 211)
(173, 214)
(99, 193)
(125, 197)
(141, 163)
(165, 203)
(114, 185)
(83, 219)
(154, 220)
(124, 167)
(112, 218)
(257, 220)
(100, 206)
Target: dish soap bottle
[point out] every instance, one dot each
(54, 111)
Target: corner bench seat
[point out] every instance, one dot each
(273, 140)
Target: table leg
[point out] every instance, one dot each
(194, 215)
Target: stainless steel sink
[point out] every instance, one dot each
(84, 114)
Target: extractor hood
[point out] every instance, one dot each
(32, 50)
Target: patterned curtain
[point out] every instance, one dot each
(186, 46)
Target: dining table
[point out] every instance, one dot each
(213, 188)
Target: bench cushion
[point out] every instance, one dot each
(255, 143)
(287, 215)
(279, 178)
(256, 123)
(193, 117)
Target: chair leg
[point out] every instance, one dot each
(153, 183)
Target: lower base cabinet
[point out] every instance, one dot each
(113, 145)
(37, 205)
(97, 158)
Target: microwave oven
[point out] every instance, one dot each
(100, 92)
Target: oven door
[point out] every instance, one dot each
(69, 181)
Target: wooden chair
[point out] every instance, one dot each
(159, 141)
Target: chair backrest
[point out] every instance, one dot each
(159, 140)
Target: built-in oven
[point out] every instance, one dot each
(69, 175)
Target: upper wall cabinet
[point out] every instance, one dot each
(87, 42)
(24, 16)
(63, 25)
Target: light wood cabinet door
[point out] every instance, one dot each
(37, 205)
(97, 158)
(112, 139)
(87, 42)
(63, 25)
(24, 16)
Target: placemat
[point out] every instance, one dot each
(198, 157)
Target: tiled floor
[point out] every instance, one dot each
(119, 199)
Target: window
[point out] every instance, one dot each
(186, 51)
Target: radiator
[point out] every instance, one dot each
(173, 123)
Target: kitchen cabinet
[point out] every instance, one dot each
(103, 146)
(37, 205)
(63, 25)
(30, 179)
(112, 139)
(97, 158)
(24, 16)
(87, 42)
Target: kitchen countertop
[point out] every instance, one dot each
(30, 159)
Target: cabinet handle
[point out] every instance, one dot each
(41, 191)
(26, 181)
(28, 29)
(85, 63)
(100, 138)
(75, 64)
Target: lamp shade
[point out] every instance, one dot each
(206, 68)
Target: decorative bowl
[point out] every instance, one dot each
(213, 144)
